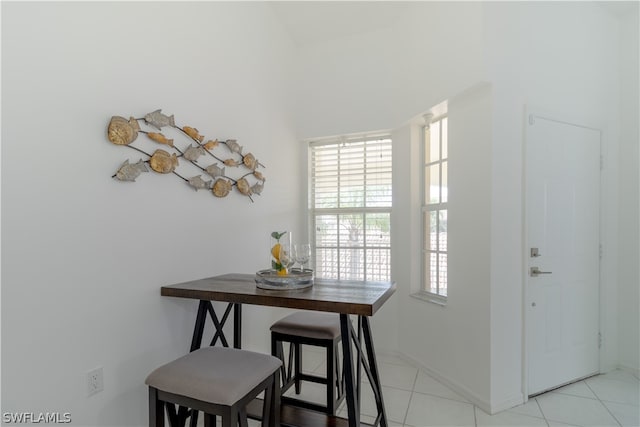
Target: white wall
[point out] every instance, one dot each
(560, 59)
(556, 57)
(628, 179)
(380, 79)
(84, 255)
(450, 342)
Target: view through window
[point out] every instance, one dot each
(350, 207)
(434, 207)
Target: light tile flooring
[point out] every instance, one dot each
(414, 399)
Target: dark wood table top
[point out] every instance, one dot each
(336, 296)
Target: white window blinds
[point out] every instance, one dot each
(350, 201)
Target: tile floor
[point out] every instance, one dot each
(414, 399)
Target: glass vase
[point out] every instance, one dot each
(279, 241)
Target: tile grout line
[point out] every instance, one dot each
(475, 416)
(544, 417)
(413, 389)
(406, 413)
(475, 408)
(603, 404)
(440, 397)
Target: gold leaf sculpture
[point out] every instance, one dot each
(163, 162)
(211, 144)
(243, 187)
(124, 132)
(231, 162)
(193, 133)
(250, 161)
(221, 188)
(160, 138)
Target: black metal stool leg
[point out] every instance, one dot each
(193, 422)
(331, 380)
(298, 366)
(156, 409)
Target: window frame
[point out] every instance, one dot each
(338, 211)
(426, 207)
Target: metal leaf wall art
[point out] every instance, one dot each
(214, 158)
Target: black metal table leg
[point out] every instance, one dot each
(179, 417)
(359, 359)
(198, 329)
(375, 376)
(350, 397)
(352, 346)
(206, 307)
(219, 324)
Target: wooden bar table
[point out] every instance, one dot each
(344, 297)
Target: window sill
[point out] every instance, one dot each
(427, 297)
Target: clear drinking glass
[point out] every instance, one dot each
(302, 253)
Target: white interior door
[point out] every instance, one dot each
(563, 237)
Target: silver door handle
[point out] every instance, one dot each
(535, 272)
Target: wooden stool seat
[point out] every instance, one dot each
(310, 325)
(218, 381)
(315, 329)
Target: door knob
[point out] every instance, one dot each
(535, 272)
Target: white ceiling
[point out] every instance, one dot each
(309, 22)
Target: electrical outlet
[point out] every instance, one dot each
(95, 382)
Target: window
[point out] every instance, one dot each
(350, 207)
(434, 209)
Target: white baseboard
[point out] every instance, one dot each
(631, 369)
(487, 406)
(508, 403)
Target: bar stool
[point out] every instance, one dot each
(316, 329)
(217, 381)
